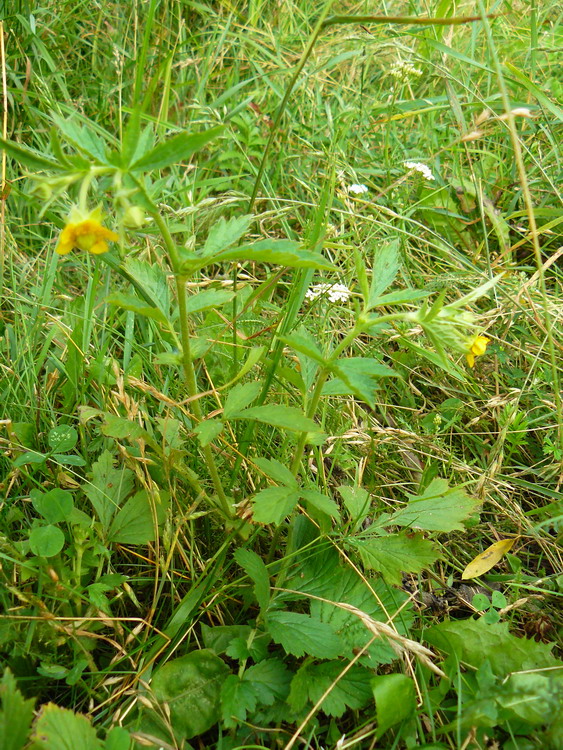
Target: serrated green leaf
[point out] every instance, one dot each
(123, 428)
(357, 502)
(302, 341)
(16, 714)
(191, 688)
(321, 502)
(301, 634)
(210, 298)
(237, 699)
(273, 504)
(175, 149)
(395, 700)
(149, 279)
(394, 554)
(475, 641)
(134, 523)
(46, 541)
(225, 233)
(82, 138)
(322, 579)
(277, 252)
(240, 397)
(350, 690)
(277, 415)
(276, 471)
(208, 430)
(136, 305)
(384, 269)
(55, 506)
(439, 508)
(118, 739)
(270, 680)
(254, 567)
(358, 376)
(108, 487)
(402, 296)
(30, 158)
(61, 729)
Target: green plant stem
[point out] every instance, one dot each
(187, 362)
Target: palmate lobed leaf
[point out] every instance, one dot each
(439, 508)
(350, 690)
(396, 553)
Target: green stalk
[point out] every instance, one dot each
(187, 362)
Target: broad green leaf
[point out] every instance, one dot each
(46, 541)
(117, 739)
(277, 415)
(66, 460)
(357, 502)
(241, 396)
(237, 699)
(321, 502)
(384, 269)
(394, 554)
(350, 691)
(29, 457)
(134, 523)
(475, 641)
(30, 158)
(300, 634)
(225, 233)
(273, 504)
(175, 149)
(137, 305)
(439, 508)
(55, 506)
(208, 430)
(61, 729)
(16, 714)
(62, 438)
(254, 567)
(276, 471)
(108, 487)
(191, 686)
(488, 559)
(277, 252)
(209, 298)
(395, 700)
(254, 356)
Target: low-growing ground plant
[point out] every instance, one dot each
(282, 426)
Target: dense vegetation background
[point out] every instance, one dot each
(251, 454)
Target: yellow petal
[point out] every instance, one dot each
(488, 559)
(480, 346)
(470, 359)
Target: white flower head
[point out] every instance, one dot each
(421, 168)
(404, 69)
(334, 292)
(357, 189)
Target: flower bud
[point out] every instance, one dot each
(134, 217)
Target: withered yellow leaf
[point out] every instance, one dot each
(488, 559)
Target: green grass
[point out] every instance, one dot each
(149, 575)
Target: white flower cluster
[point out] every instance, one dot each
(335, 292)
(419, 167)
(357, 189)
(404, 69)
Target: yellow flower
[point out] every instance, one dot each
(477, 348)
(85, 231)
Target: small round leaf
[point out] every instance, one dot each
(55, 506)
(62, 438)
(46, 541)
